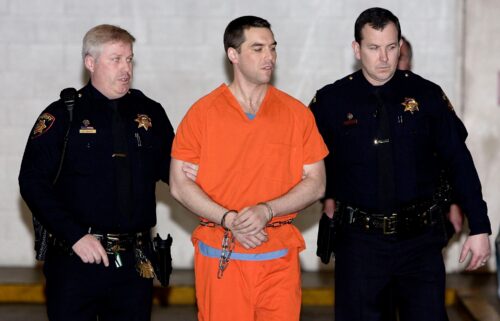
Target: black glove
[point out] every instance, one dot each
(326, 238)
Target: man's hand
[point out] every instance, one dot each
(456, 218)
(251, 220)
(244, 230)
(479, 246)
(190, 170)
(90, 250)
(329, 207)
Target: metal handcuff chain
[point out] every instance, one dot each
(227, 249)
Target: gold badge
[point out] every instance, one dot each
(144, 121)
(410, 104)
(43, 124)
(86, 128)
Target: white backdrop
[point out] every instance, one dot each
(179, 57)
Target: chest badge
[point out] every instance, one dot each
(43, 124)
(86, 128)
(410, 104)
(144, 121)
(350, 120)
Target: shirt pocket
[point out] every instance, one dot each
(354, 141)
(413, 129)
(81, 153)
(148, 149)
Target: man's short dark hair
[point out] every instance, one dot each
(234, 33)
(377, 18)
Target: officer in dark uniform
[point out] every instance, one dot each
(99, 205)
(389, 132)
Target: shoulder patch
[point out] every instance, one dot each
(42, 125)
(450, 106)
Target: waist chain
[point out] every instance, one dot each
(272, 224)
(228, 242)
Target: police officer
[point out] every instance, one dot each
(96, 195)
(389, 131)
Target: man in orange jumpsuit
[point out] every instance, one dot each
(260, 159)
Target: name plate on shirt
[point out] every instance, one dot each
(87, 130)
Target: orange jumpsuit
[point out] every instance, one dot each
(243, 162)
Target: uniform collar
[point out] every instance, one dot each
(96, 94)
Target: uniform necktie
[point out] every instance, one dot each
(121, 161)
(386, 185)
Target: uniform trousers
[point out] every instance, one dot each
(372, 269)
(80, 291)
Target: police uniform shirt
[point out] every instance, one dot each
(90, 189)
(424, 134)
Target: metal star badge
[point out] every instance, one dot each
(410, 104)
(144, 121)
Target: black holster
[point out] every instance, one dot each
(162, 259)
(41, 240)
(326, 238)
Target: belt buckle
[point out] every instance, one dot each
(112, 243)
(389, 226)
(351, 211)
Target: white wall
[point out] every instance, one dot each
(482, 98)
(179, 57)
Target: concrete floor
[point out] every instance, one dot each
(477, 299)
(36, 312)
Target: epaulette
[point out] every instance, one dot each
(350, 77)
(408, 74)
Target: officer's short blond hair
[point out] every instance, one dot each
(96, 37)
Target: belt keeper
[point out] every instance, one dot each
(269, 209)
(223, 219)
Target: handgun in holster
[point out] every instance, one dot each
(163, 259)
(326, 238)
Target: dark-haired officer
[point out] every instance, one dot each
(100, 205)
(389, 131)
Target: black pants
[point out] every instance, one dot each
(78, 291)
(374, 272)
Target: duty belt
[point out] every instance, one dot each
(120, 242)
(409, 220)
(112, 242)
